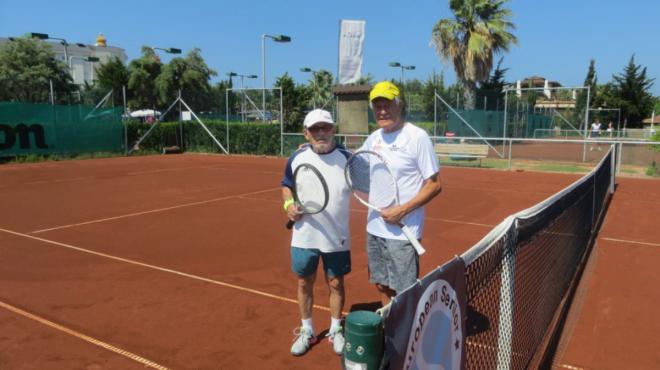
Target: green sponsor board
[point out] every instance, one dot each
(27, 128)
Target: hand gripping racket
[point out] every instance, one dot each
(373, 184)
(310, 191)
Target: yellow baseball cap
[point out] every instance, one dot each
(384, 89)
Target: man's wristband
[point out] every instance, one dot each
(287, 203)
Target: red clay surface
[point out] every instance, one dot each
(613, 322)
(184, 260)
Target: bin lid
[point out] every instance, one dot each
(363, 322)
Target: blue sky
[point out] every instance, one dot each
(556, 38)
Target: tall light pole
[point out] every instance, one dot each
(276, 38)
(399, 65)
(314, 72)
(242, 76)
(230, 75)
(45, 36)
(168, 50)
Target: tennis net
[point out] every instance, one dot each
(519, 281)
(520, 277)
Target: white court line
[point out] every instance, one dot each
(57, 180)
(168, 169)
(460, 222)
(109, 347)
(205, 167)
(630, 241)
(570, 367)
(163, 269)
(151, 211)
(361, 210)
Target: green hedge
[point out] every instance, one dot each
(244, 138)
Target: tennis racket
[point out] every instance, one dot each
(373, 184)
(310, 192)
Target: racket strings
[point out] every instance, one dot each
(371, 181)
(310, 190)
(383, 187)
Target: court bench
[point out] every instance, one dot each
(462, 151)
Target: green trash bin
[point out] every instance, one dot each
(364, 341)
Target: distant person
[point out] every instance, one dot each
(610, 128)
(595, 133)
(393, 262)
(595, 129)
(323, 236)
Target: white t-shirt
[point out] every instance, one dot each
(328, 230)
(595, 127)
(411, 158)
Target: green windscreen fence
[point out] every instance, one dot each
(27, 128)
(490, 124)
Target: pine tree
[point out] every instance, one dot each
(591, 81)
(435, 84)
(632, 87)
(492, 89)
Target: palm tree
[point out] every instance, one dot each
(479, 29)
(321, 89)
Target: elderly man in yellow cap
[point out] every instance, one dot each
(393, 262)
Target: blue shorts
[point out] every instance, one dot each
(393, 263)
(304, 262)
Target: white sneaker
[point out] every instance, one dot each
(303, 342)
(336, 338)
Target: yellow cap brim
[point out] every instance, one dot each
(385, 89)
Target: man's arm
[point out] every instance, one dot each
(292, 209)
(430, 189)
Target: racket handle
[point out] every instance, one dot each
(413, 240)
(290, 224)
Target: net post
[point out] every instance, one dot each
(505, 327)
(593, 202)
(619, 158)
(614, 166)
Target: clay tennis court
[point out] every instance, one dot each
(182, 262)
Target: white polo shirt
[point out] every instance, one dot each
(411, 158)
(328, 230)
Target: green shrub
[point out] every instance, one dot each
(653, 170)
(655, 137)
(244, 138)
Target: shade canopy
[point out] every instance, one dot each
(145, 113)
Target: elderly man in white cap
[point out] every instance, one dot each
(322, 236)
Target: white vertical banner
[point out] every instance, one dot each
(546, 90)
(351, 42)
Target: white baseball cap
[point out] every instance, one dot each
(317, 116)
